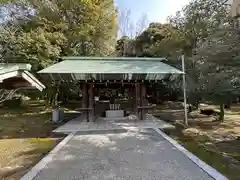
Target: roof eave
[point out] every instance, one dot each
(112, 58)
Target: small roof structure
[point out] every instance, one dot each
(18, 75)
(108, 68)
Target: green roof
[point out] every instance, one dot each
(111, 65)
(101, 68)
(111, 58)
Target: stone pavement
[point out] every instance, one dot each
(78, 124)
(134, 155)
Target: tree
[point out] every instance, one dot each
(125, 24)
(128, 31)
(160, 40)
(50, 29)
(204, 24)
(129, 28)
(7, 94)
(199, 19)
(141, 24)
(219, 55)
(125, 47)
(220, 90)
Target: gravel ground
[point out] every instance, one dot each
(142, 155)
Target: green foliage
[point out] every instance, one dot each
(191, 32)
(199, 19)
(211, 66)
(122, 47)
(39, 46)
(160, 40)
(40, 32)
(165, 90)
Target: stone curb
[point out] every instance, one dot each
(47, 159)
(208, 169)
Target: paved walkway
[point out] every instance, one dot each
(120, 150)
(134, 155)
(78, 124)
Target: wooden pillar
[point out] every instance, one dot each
(90, 102)
(143, 101)
(140, 102)
(84, 101)
(132, 97)
(137, 98)
(94, 104)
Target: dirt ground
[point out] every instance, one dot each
(25, 137)
(216, 143)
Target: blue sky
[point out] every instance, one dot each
(156, 10)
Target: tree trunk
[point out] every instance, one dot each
(228, 105)
(190, 109)
(195, 105)
(221, 115)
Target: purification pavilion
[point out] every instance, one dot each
(115, 75)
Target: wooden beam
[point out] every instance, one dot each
(110, 81)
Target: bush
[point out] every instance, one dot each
(209, 111)
(13, 103)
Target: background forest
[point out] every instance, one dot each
(39, 32)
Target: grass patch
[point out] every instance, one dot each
(217, 143)
(207, 151)
(25, 137)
